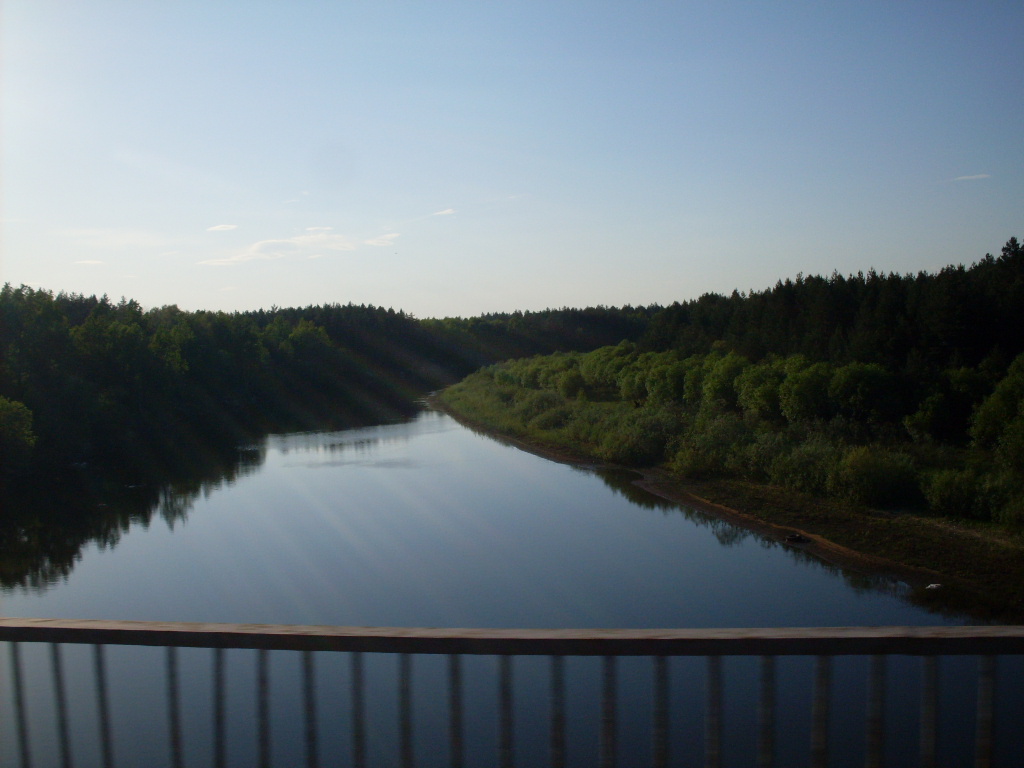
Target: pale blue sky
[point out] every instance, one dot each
(460, 158)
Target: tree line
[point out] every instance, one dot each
(87, 380)
(893, 391)
(917, 378)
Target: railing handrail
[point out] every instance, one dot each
(783, 641)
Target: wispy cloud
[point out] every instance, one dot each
(221, 227)
(319, 229)
(383, 239)
(90, 262)
(445, 212)
(298, 247)
(975, 177)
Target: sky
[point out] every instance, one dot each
(454, 159)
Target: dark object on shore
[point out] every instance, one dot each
(797, 538)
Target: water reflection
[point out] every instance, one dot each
(623, 482)
(318, 528)
(47, 523)
(466, 533)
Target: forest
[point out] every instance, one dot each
(86, 381)
(892, 390)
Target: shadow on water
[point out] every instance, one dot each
(623, 482)
(49, 518)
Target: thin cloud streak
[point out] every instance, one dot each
(301, 246)
(383, 239)
(445, 212)
(975, 177)
(221, 227)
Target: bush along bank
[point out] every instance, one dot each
(871, 461)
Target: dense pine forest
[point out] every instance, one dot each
(894, 391)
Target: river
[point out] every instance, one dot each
(427, 523)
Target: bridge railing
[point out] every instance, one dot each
(877, 643)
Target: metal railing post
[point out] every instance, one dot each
(102, 707)
(173, 712)
(986, 714)
(405, 708)
(455, 710)
(309, 698)
(24, 752)
(219, 738)
(929, 710)
(358, 712)
(876, 714)
(713, 716)
(263, 705)
(506, 728)
(608, 713)
(557, 711)
(661, 713)
(766, 714)
(820, 711)
(62, 707)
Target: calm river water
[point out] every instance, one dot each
(426, 523)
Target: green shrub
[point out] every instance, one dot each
(1012, 511)
(570, 383)
(757, 389)
(803, 395)
(639, 437)
(877, 477)
(601, 367)
(719, 381)
(1000, 408)
(696, 368)
(665, 380)
(809, 466)
(1009, 451)
(16, 436)
(955, 492)
(715, 446)
(757, 457)
(531, 404)
(556, 418)
(865, 392)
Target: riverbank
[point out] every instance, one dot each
(979, 567)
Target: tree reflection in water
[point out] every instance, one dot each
(48, 520)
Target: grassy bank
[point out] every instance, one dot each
(980, 565)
